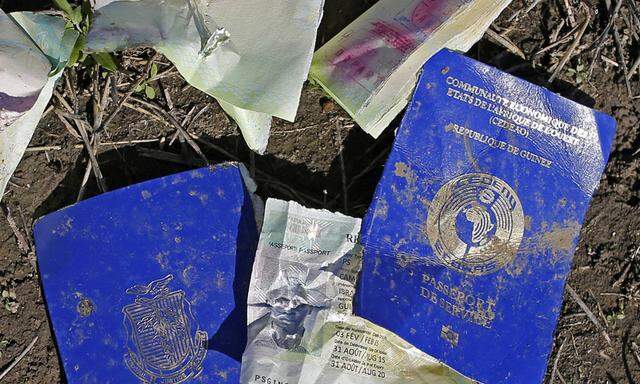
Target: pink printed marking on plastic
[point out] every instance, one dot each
(394, 36)
(427, 13)
(352, 63)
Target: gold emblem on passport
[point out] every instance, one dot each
(164, 342)
(475, 223)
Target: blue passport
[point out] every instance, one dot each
(148, 284)
(473, 226)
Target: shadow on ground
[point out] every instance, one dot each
(24, 5)
(363, 159)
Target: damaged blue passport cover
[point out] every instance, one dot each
(148, 284)
(473, 226)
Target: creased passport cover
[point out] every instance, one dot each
(473, 226)
(148, 284)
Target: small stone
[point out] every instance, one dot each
(327, 105)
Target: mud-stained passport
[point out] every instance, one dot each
(473, 227)
(148, 284)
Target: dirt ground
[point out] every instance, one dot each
(303, 162)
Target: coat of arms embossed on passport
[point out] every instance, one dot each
(164, 342)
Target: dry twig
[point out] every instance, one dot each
(603, 37)
(609, 61)
(517, 14)
(44, 148)
(100, 144)
(624, 274)
(98, 113)
(623, 61)
(22, 242)
(168, 157)
(634, 67)
(148, 113)
(188, 121)
(555, 42)
(634, 12)
(20, 357)
(184, 134)
(555, 363)
(590, 314)
(556, 32)
(85, 180)
(505, 42)
(570, 15)
(130, 92)
(92, 155)
(635, 348)
(569, 52)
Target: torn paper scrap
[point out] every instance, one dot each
(55, 43)
(349, 349)
(251, 55)
(24, 71)
(370, 68)
(255, 126)
(300, 323)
